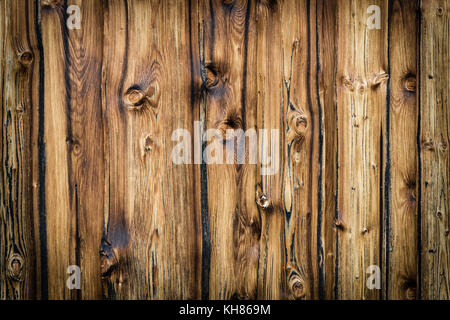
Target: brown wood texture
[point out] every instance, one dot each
(361, 153)
(433, 141)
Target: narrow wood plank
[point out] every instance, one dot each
(149, 247)
(17, 246)
(197, 76)
(301, 167)
(434, 151)
(272, 272)
(288, 101)
(361, 105)
(227, 63)
(59, 218)
(327, 32)
(401, 258)
(84, 49)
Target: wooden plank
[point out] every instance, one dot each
(327, 31)
(301, 188)
(60, 226)
(84, 50)
(288, 101)
(227, 97)
(74, 174)
(401, 258)
(361, 101)
(434, 151)
(149, 248)
(17, 247)
(273, 284)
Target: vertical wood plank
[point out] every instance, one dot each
(149, 247)
(327, 31)
(361, 99)
(302, 164)
(17, 246)
(228, 96)
(401, 258)
(270, 84)
(73, 156)
(60, 226)
(289, 102)
(434, 150)
(84, 49)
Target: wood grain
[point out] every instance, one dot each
(326, 79)
(150, 234)
(17, 249)
(434, 151)
(401, 163)
(360, 149)
(361, 94)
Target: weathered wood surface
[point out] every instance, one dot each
(87, 177)
(433, 140)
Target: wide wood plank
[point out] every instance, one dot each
(361, 99)
(149, 245)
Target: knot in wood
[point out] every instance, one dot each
(428, 145)
(263, 201)
(297, 287)
(409, 83)
(348, 82)
(134, 97)
(297, 125)
(339, 222)
(411, 293)
(20, 108)
(232, 122)
(73, 145)
(25, 58)
(148, 143)
(50, 3)
(212, 78)
(361, 86)
(379, 78)
(108, 259)
(15, 267)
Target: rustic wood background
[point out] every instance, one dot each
(87, 179)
